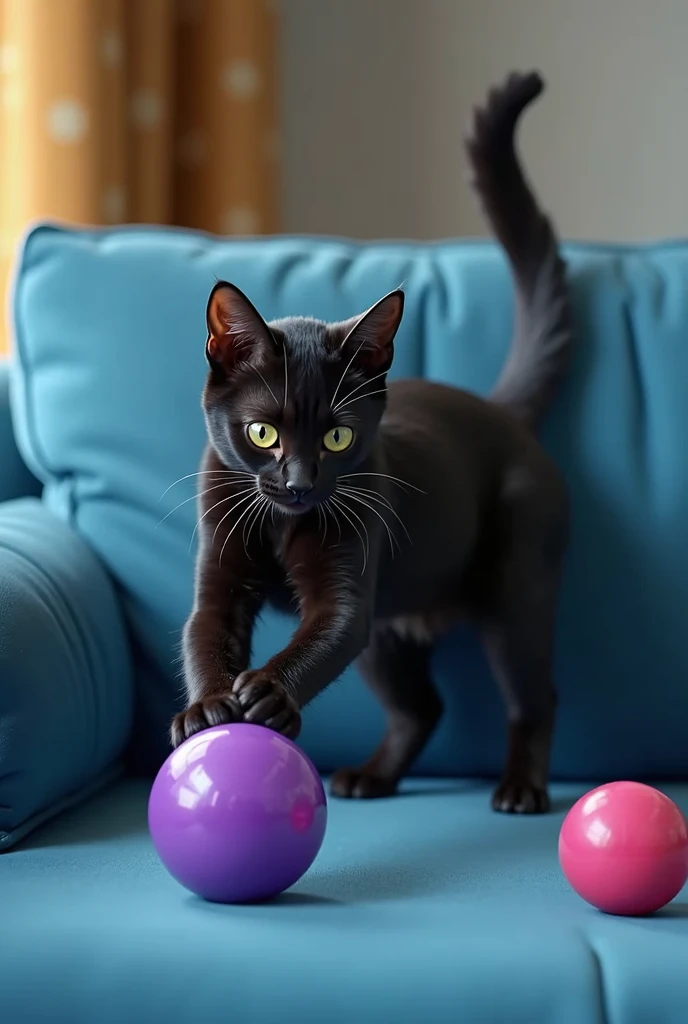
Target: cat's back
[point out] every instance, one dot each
(445, 417)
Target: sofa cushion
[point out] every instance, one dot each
(428, 907)
(110, 335)
(65, 676)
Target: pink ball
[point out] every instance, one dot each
(624, 848)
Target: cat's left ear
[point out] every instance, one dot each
(236, 330)
(370, 337)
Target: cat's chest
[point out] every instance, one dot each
(279, 588)
(281, 595)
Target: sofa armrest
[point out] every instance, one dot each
(66, 690)
(15, 479)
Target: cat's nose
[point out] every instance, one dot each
(299, 488)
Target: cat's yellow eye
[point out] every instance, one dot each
(262, 435)
(338, 439)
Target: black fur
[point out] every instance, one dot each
(444, 506)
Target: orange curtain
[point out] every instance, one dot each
(157, 111)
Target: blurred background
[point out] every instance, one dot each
(335, 116)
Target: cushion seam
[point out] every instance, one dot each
(601, 980)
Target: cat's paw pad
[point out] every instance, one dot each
(355, 784)
(219, 709)
(264, 700)
(514, 796)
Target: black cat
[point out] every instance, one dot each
(384, 513)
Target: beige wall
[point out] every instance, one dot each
(376, 92)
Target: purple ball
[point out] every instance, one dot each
(237, 813)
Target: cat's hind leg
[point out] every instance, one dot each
(518, 636)
(396, 667)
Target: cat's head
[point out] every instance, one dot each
(296, 402)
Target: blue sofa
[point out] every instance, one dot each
(445, 911)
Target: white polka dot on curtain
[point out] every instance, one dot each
(9, 59)
(240, 220)
(10, 95)
(111, 50)
(10, 86)
(67, 121)
(241, 79)
(146, 109)
(114, 204)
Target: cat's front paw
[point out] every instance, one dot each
(220, 709)
(264, 700)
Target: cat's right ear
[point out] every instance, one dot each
(235, 328)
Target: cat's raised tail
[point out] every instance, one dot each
(542, 340)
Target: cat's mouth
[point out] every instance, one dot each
(298, 504)
(294, 506)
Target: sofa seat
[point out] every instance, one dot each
(424, 908)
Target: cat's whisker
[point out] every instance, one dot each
(235, 494)
(385, 476)
(247, 522)
(251, 522)
(390, 534)
(369, 394)
(371, 491)
(332, 512)
(358, 388)
(353, 512)
(339, 526)
(248, 508)
(228, 473)
(345, 509)
(346, 368)
(264, 382)
(322, 522)
(247, 525)
(268, 504)
(194, 497)
(343, 504)
(199, 521)
(374, 496)
(250, 493)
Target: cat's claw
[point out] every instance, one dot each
(219, 709)
(264, 700)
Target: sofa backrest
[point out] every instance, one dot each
(109, 329)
